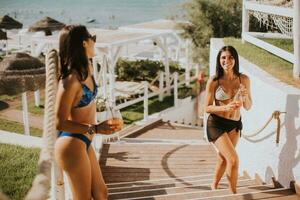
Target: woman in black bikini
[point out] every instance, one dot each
(226, 93)
(76, 115)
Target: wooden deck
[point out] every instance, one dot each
(173, 162)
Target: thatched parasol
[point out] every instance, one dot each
(20, 73)
(6, 22)
(47, 25)
(3, 35)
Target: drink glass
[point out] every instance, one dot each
(114, 116)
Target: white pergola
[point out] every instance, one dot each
(171, 27)
(112, 44)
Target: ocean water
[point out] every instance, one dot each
(103, 13)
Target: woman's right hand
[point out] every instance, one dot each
(109, 126)
(232, 106)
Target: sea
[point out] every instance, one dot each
(92, 13)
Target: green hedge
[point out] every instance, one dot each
(142, 70)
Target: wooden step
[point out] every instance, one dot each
(162, 181)
(194, 191)
(279, 193)
(167, 130)
(169, 184)
(123, 163)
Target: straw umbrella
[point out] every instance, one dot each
(6, 22)
(3, 35)
(47, 25)
(20, 73)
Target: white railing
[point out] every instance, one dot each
(160, 93)
(174, 84)
(280, 11)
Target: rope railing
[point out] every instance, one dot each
(41, 183)
(275, 115)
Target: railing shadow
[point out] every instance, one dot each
(289, 156)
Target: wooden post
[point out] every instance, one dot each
(245, 20)
(187, 63)
(37, 98)
(57, 182)
(176, 89)
(111, 70)
(167, 66)
(25, 114)
(145, 101)
(296, 35)
(161, 85)
(95, 70)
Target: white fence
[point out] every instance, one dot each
(253, 38)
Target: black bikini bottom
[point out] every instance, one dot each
(217, 125)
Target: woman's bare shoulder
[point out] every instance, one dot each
(244, 78)
(71, 81)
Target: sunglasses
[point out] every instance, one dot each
(92, 37)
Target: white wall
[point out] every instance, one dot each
(261, 154)
(185, 113)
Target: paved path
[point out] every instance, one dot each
(15, 115)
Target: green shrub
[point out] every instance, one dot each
(142, 70)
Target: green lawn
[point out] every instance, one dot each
(18, 167)
(8, 97)
(136, 112)
(285, 44)
(32, 108)
(277, 67)
(18, 128)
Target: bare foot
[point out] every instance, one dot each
(214, 186)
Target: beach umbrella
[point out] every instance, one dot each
(6, 22)
(3, 35)
(21, 72)
(47, 25)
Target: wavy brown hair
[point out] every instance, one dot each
(71, 51)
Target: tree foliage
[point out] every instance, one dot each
(213, 18)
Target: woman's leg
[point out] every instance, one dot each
(221, 161)
(226, 149)
(72, 157)
(219, 171)
(99, 189)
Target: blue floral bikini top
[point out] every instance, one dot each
(87, 95)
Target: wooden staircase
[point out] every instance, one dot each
(173, 162)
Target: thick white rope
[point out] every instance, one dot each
(41, 184)
(274, 115)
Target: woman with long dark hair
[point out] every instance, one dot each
(226, 93)
(76, 115)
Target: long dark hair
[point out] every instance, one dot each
(236, 67)
(71, 51)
